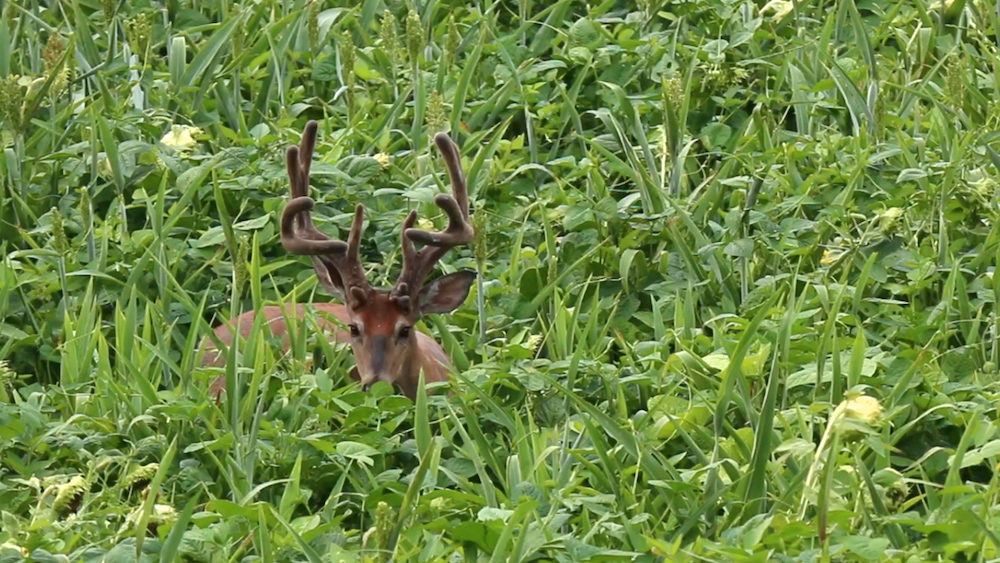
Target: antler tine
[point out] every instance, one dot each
(401, 293)
(300, 236)
(349, 265)
(306, 147)
(455, 205)
(416, 265)
(454, 163)
(304, 238)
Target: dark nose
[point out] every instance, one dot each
(367, 387)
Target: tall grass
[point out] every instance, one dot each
(737, 296)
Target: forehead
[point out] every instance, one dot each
(380, 313)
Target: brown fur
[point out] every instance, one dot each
(379, 317)
(386, 345)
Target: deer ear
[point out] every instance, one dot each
(329, 277)
(447, 293)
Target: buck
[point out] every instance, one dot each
(380, 322)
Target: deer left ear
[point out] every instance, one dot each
(447, 293)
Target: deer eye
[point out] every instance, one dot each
(404, 332)
(355, 331)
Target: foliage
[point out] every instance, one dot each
(737, 293)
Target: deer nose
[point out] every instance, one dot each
(367, 387)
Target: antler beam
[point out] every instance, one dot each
(300, 236)
(417, 265)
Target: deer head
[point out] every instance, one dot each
(380, 321)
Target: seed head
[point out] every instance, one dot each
(139, 31)
(383, 528)
(241, 271)
(59, 242)
(390, 45)
(454, 38)
(955, 80)
(480, 224)
(314, 25)
(436, 118)
(11, 101)
(108, 8)
(70, 494)
(414, 35)
(85, 211)
(140, 476)
(53, 51)
(347, 57)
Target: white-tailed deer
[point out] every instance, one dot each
(380, 322)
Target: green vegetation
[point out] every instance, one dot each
(736, 298)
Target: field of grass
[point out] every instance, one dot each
(736, 296)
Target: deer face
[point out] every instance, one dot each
(381, 321)
(383, 336)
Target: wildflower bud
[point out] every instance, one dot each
(181, 138)
(533, 342)
(864, 408)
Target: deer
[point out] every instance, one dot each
(380, 322)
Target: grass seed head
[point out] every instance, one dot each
(390, 46)
(11, 101)
(314, 25)
(454, 38)
(437, 119)
(59, 241)
(414, 36)
(139, 31)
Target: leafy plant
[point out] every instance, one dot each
(736, 297)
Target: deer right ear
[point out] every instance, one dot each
(329, 277)
(447, 293)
